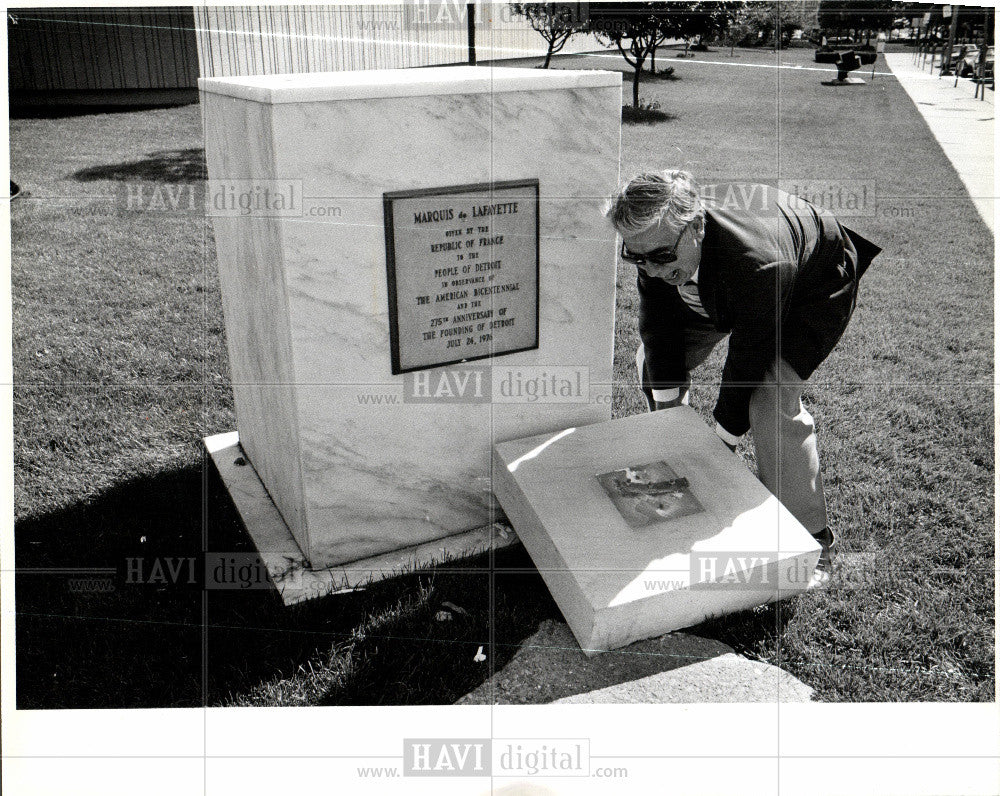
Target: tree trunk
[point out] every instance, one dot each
(548, 55)
(635, 84)
(652, 61)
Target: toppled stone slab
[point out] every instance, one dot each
(648, 524)
(678, 667)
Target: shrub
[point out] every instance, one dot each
(645, 112)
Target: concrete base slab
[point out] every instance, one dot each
(850, 81)
(548, 668)
(287, 565)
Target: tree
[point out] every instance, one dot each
(634, 28)
(789, 19)
(861, 16)
(734, 20)
(760, 23)
(686, 21)
(673, 24)
(698, 21)
(556, 22)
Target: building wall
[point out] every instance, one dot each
(154, 55)
(245, 40)
(101, 50)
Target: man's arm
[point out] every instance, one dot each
(662, 338)
(758, 297)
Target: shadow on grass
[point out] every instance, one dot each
(85, 636)
(112, 613)
(418, 660)
(174, 165)
(667, 75)
(644, 114)
(754, 633)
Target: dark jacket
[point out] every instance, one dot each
(778, 273)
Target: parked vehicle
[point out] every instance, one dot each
(958, 54)
(970, 63)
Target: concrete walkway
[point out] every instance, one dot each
(549, 667)
(962, 125)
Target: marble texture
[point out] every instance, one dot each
(254, 303)
(381, 83)
(283, 559)
(352, 477)
(615, 584)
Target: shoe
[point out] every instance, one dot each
(824, 567)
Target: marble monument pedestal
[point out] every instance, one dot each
(378, 233)
(287, 568)
(648, 524)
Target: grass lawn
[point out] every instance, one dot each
(120, 369)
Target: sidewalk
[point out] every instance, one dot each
(962, 125)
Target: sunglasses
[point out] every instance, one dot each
(662, 256)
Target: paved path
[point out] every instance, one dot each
(550, 667)
(962, 125)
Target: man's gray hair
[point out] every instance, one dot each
(671, 195)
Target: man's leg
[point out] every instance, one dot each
(785, 440)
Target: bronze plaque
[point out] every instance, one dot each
(462, 267)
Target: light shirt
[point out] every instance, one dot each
(689, 292)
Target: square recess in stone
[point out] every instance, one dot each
(624, 567)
